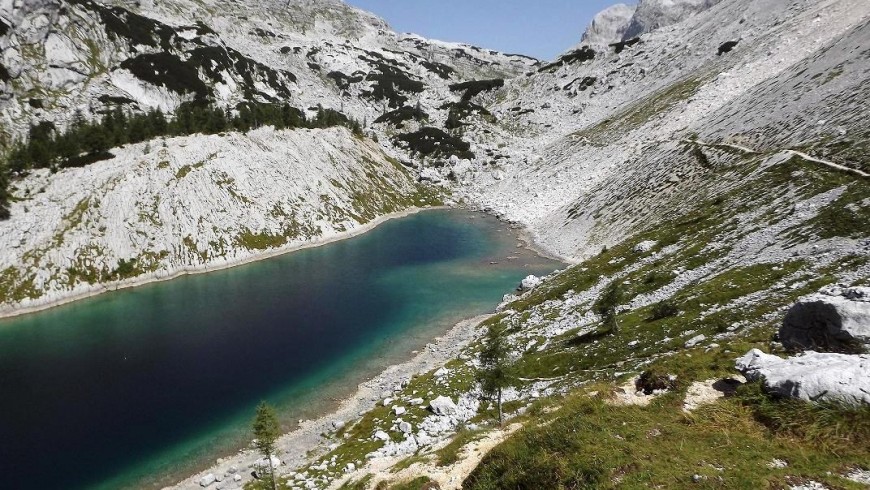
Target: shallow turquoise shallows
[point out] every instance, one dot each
(138, 388)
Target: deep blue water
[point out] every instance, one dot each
(137, 388)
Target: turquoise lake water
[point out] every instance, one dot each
(138, 388)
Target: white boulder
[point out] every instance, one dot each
(262, 464)
(834, 319)
(644, 246)
(812, 376)
(697, 339)
(381, 435)
(207, 480)
(530, 282)
(397, 410)
(442, 406)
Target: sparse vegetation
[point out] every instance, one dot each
(433, 142)
(607, 306)
(496, 371)
(663, 309)
(266, 431)
(85, 142)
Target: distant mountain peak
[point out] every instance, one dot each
(609, 25)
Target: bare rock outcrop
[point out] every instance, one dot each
(811, 376)
(609, 25)
(653, 14)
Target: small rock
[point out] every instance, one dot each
(644, 246)
(397, 410)
(697, 339)
(777, 464)
(207, 480)
(381, 435)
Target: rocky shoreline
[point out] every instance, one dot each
(298, 446)
(97, 289)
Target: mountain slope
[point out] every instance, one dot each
(712, 165)
(77, 60)
(192, 203)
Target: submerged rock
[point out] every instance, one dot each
(834, 319)
(812, 376)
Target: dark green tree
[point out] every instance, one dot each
(67, 146)
(497, 370)
(608, 303)
(94, 139)
(266, 432)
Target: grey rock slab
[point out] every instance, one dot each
(442, 406)
(811, 376)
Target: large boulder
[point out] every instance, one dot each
(834, 319)
(442, 406)
(262, 464)
(609, 25)
(811, 376)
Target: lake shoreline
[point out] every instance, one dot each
(299, 446)
(302, 444)
(146, 279)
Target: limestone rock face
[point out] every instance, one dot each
(835, 319)
(609, 25)
(653, 14)
(812, 376)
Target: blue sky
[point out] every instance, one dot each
(540, 28)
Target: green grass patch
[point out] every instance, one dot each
(592, 444)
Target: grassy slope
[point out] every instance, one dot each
(574, 440)
(588, 443)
